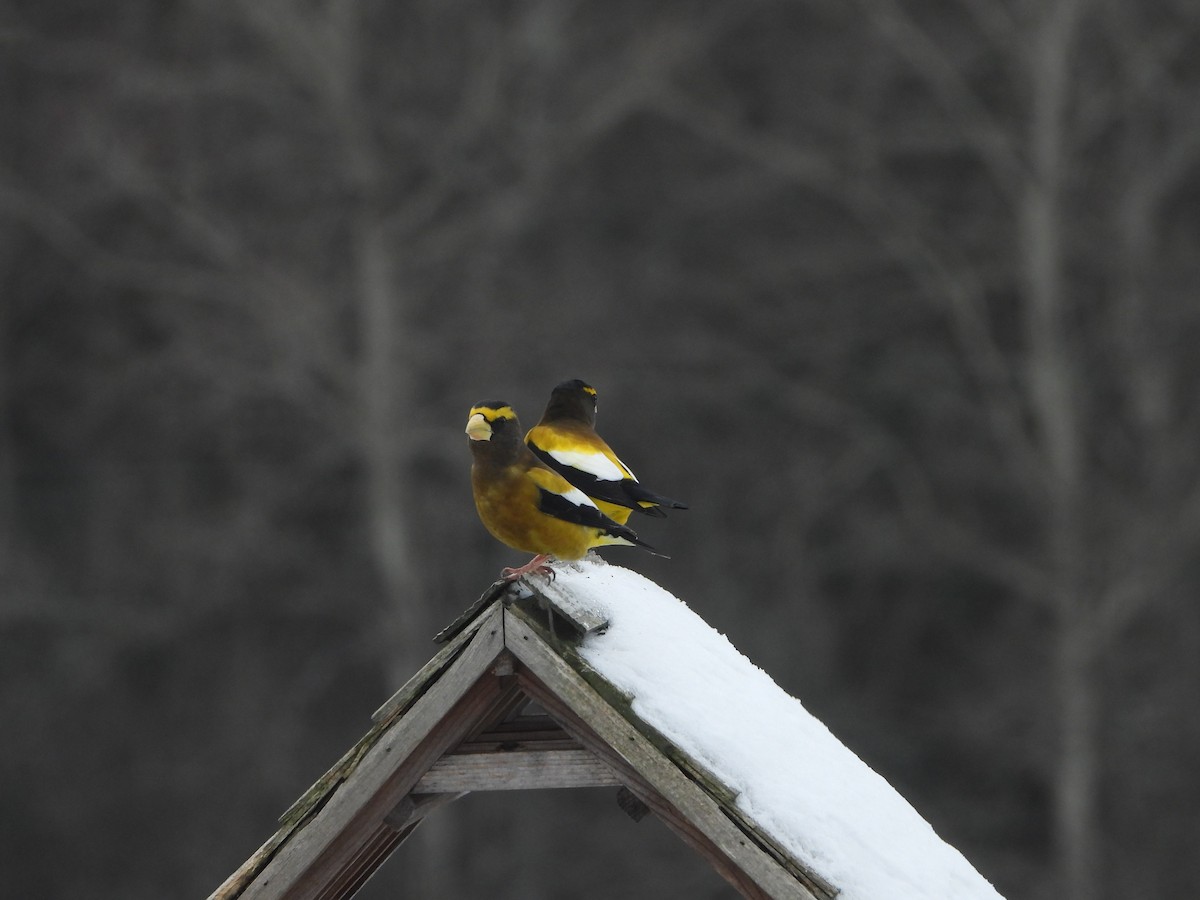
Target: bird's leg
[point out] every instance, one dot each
(536, 565)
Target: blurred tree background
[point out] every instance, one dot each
(901, 295)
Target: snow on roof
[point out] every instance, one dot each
(792, 776)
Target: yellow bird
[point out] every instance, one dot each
(566, 440)
(527, 505)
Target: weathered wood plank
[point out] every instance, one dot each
(584, 618)
(567, 696)
(233, 886)
(654, 801)
(466, 617)
(356, 807)
(378, 846)
(539, 732)
(441, 660)
(344, 860)
(516, 770)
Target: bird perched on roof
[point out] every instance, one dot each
(527, 505)
(566, 440)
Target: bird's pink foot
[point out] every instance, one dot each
(537, 566)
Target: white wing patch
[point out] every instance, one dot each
(595, 464)
(578, 497)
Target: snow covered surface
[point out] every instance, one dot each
(793, 777)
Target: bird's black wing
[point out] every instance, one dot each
(563, 507)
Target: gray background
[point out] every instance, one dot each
(901, 295)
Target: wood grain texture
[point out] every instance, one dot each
(516, 770)
(581, 616)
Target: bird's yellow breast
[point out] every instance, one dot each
(507, 501)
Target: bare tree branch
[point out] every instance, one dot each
(989, 138)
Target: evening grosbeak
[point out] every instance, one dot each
(527, 505)
(565, 440)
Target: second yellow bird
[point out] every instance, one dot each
(566, 440)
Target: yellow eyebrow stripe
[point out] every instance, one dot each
(491, 414)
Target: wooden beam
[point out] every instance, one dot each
(467, 617)
(658, 782)
(416, 806)
(520, 733)
(441, 660)
(367, 858)
(329, 844)
(516, 770)
(583, 618)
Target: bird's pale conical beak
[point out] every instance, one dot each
(478, 428)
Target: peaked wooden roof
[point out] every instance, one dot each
(506, 704)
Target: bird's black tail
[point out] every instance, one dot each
(625, 534)
(640, 494)
(640, 543)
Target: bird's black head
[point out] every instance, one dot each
(574, 399)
